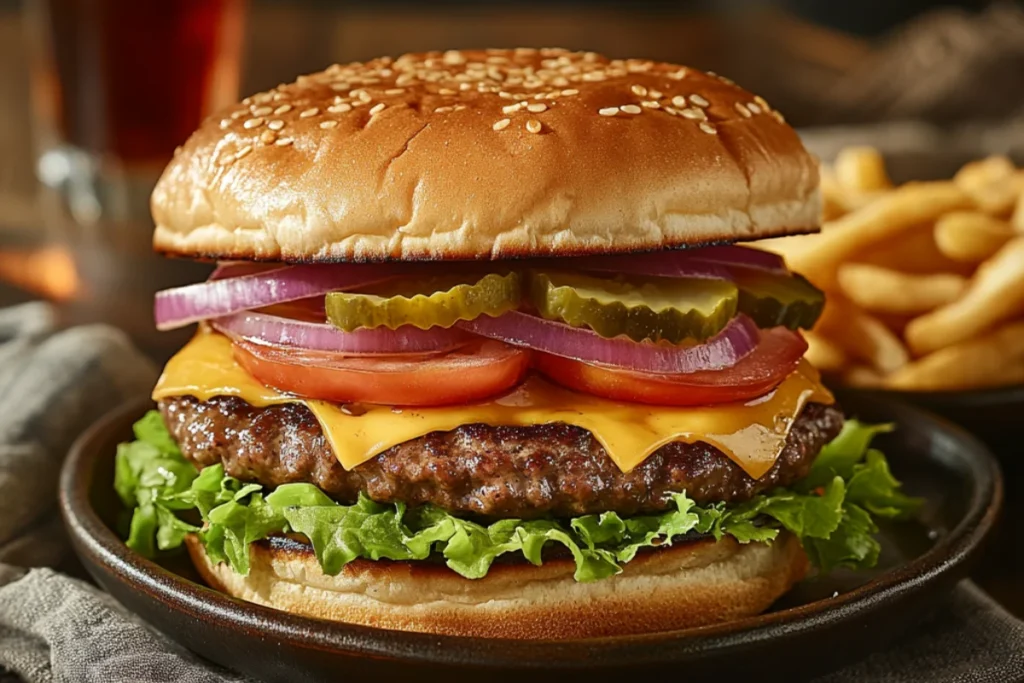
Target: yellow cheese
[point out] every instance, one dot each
(751, 434)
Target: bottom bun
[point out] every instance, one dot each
(690, 584)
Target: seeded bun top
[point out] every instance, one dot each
(485, 154)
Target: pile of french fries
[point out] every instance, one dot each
(924, 281)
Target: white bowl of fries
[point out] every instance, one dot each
(924, 281)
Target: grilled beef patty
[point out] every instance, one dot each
(521, 472)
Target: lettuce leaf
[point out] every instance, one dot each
(832, 512)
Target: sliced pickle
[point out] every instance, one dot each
(425, 302)
(772, 299)
(654, 308)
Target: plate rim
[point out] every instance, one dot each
(947, 557)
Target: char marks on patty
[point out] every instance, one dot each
(497, 472)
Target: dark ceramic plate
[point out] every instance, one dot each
(818, 626)
(991, 414)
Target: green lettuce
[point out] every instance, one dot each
(832, 511)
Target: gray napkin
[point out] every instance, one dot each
(55, 628)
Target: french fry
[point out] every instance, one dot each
(971, 236)
(993, 183)
(992, 359)
(833, 202)
(861, 336)
(996, 294)
(914, 251)
(862, 376)
(895, 213)
(861, 169)
(823, 353)
(1017, 221)
(881, 290)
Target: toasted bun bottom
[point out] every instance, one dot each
(691, 584)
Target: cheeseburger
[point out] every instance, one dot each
(481, 356)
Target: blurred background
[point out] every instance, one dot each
(96, 94)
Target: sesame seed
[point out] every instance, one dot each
(570, 92)
(650, 104)
(630, 109)
(778, 116)
(654, 94)
(313, 111)
(511, 108)
(707, 128)
(267, 136)
(238, 114)
(252, 123)
(678, 75)
(761, 102)
(742, 110)
(242, 152)
(445, 91)
(699, 101)
(394, 91)
(454, 57)
(537, 108)
(283, 109)
(224, 123)
(339, 108)
(754, 109)
(326, 125)
(672, 110)
(533, 125)
(276, 124)
(262, 111)
(340, 86)
(639, 90)
(443, 110)
(679, 101)
(377, 108)
(501, 125)
(608, 111)
(282, 142)
(364, 96)
(694, 114)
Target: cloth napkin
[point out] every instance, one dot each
(54, 384)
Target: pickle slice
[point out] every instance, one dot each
(425, 303)
(654, 308)
(772, 299)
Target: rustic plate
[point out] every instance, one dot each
(818, 626)
(993, 414)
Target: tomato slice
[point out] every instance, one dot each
(475, 371)
(776, 356)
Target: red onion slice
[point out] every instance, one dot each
(705, 262)
(261, 328)
(745, 257)
(724, 350)
(219, 297)
(662, 265)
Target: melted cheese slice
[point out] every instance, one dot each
(751, 434)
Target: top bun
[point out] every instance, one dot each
(482, 155)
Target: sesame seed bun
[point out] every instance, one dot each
(687, 585)
(485, 154)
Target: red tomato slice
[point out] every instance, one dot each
(475, 371)
(776, 356)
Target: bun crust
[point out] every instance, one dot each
(688, 585)
(423, 157)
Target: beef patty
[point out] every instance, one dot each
(476, 469)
